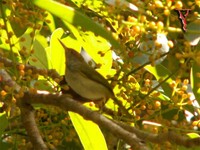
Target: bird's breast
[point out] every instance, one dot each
(86, 87)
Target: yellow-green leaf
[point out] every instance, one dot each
(76, 18)
(89, 133)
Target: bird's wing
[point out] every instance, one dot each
(94, 75)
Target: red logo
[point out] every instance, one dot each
(183, 13)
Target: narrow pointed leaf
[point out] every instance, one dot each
(89, 133)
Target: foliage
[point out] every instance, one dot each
(162, 87)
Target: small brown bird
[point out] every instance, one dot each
(84, 79)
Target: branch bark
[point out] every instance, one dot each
(68, 104)
(28, 121)
(27, 114)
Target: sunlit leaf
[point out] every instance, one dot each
(56, 53)
(74, 31)
(13, 39)
(50, 23)
(99, 49)
(43, 85)
(3, 123)
(76, 18)
(195, 80)
(39, 54)
(160, 73)
(193, 135)
(89, 133)
(38, 57)
(96, 47)
(193, 32)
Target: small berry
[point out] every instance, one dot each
(170, 44)
(158, 4)
(166, 12)
(47, 21)
(136, 29)
(22, 39)
(184, 87)
(195, 123)
(143, 18)
(160, 25)
(152, 24)
(21, 72)
(143, 107)
(157, 104)
(3, 93)
(178, 5)
(21, 66)
(34, 59)
(172, 84)
(185, 81)
(130, 54)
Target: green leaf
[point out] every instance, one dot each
(186, 148)
(74, 30)
(39, 53)
(43, 84)
(17, 29)
(88, 132)
(5, 146)
(56, 53)
(95, 44)
(193, 32)
(189, 108)
(38, 45)
(3, 122)
(161, 73)
(193, 135)
(170, 113)
(51, 23)
(92, 44)
(76, 18)
(195, 80)
(74, 40)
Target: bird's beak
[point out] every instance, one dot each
(63, 45)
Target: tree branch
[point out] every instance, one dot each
(68, 104)
(170, 136)
(28, 121)
(27, 114)
(51, 73)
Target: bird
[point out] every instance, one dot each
(85, 81)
